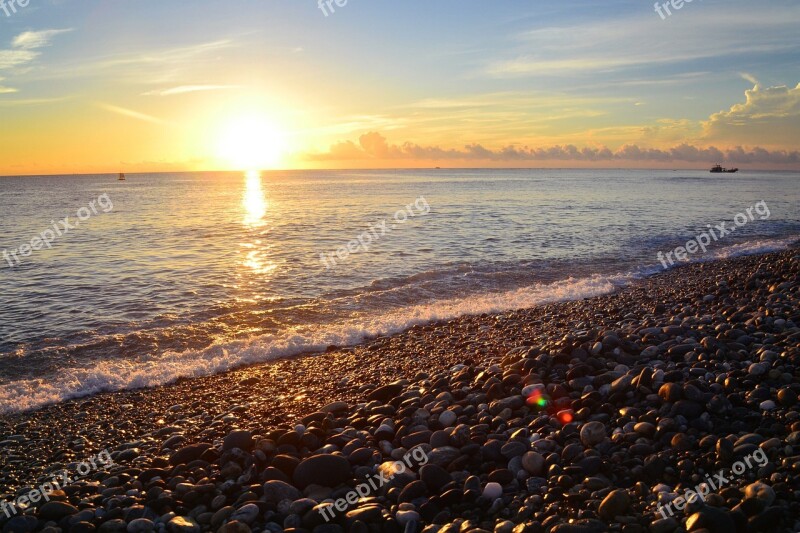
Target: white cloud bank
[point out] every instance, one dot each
(755, 131)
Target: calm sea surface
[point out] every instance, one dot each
(172, 275)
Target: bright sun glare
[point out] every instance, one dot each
(250, 143)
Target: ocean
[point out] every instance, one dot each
(175, 275)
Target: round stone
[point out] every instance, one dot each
(182, 524)
(327, 470)
(533, 463)
(767, 405)
(247, 513)
(275, 491)
(447, 418)
(405, 517)
(670, 392)
(492, 491)
(435, 477)
(787, 397)
(761, 492)
(615, 504)
(141, 525)
(56, 510)
(593, 433)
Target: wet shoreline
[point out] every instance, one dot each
(676, 369)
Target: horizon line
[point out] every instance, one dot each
(373, 169)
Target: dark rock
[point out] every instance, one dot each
(20, 524)
(82, 527)
(183, 524)
(385, 393)
(115, 525)
(712, 519)
(56, 511)
(276, 491)
(412, 491)
(670, 392)
(366, 514)
(435, 477)
(234, 527)
(503, 476)
(687, 409)
(420, 437)
(580, 526)
(767, 521)
(238, 439)
(140, 525)
(444, 455)
(592, 433)
(187, 454)
(325, 469)
(616, 503)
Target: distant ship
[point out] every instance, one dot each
(716, 169)
(121, 177)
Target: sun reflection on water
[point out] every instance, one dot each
(255, 206)
(255, 259)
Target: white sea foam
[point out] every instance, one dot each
(761, 246)
(119, 374)
(753, 247)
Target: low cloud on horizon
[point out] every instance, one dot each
(769, 114)
(374, 146)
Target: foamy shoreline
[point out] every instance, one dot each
(159, 367)
(657, 322)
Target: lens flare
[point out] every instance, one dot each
(537, 398)
(559, 409)
(565, 417)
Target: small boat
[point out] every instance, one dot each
(716, 169)
(121, 177)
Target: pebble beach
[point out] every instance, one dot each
(579, 416)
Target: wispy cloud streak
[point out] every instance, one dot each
(130, 113)
(183, 89)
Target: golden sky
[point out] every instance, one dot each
(104, 86)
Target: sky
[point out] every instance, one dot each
(90, 86)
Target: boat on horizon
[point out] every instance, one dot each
(121, 176)
(716, 169)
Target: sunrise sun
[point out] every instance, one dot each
(250, 143)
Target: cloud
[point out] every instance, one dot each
(14, 58)
(642, 40)
(768, 121)
(374, 146)
(23, 51)
(356, 123)
(129, 113)
(155, 66)
(493, 117)
(171, 57)
(32, 101)
(31, 40)
(766, 116)
(771, 115)
(6, 90)
(190, 89)
(749, 77)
